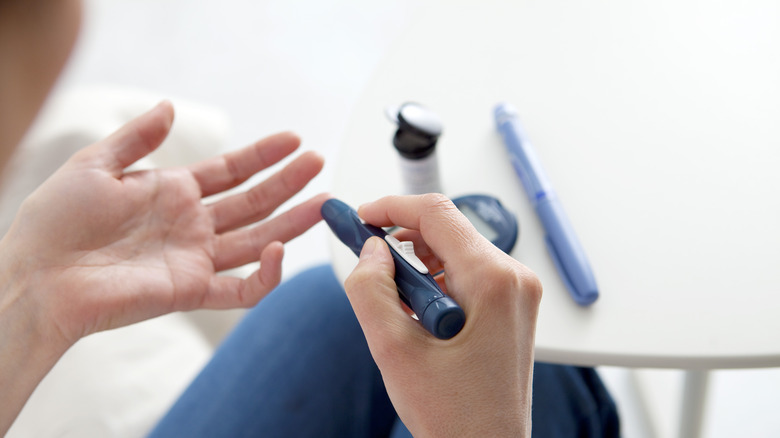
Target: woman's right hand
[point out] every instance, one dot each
(479, 382)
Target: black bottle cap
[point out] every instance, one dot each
(418, 130)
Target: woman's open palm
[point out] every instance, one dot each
(99, 247)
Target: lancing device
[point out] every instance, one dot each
(438, 313)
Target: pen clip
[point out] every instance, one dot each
(582, 300)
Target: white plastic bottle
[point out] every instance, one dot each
(415, 140)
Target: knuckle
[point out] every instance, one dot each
(532, 286)
(233, 170)
(436, 202)
(439, 209)
(258, 201)
(513, 281)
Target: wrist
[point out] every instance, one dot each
(27, 350)
(23, 283)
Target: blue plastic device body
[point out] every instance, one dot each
(437, 312)
(562, 243)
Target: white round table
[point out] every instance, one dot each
(658, 126)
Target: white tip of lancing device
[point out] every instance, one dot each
(406, 250)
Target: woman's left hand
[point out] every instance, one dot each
(96, 247)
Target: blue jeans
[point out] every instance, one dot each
(298, 366)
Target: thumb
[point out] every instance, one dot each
(136, 139)
(373, 294)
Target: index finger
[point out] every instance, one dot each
(226, 171)
(447, 232)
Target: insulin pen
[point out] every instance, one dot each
(562, 243)
(438, 313)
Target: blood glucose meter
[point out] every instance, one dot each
(490, 218)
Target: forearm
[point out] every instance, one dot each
(27, 353)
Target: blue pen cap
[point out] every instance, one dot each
(443, 318)
(504, 112)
